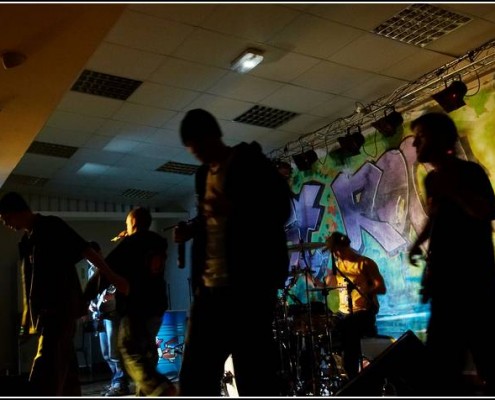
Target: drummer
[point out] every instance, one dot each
(358, 281)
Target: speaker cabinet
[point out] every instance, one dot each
(398, 371)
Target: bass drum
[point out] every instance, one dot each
(229, 387)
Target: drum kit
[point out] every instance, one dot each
(304, 329)
(309, 349)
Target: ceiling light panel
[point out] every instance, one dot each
(178, 168)
(51, 149)
(420, 24)
(265, 116)
(105, 85)
(27, 180)
(138, 194)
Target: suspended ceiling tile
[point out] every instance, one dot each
(244, 87)
(190, 13)
(158, 95)
(68, 137)
(74, 121)
(221, 107)
(460, 41)
(88, 104)
(210, 48)
(125, 129)
(363, 16)
(314, 36)
(237, 19)
(372, 53)
(296, 99)
(148, 33)
(416, 65)
(124, 61)
(293, 65)
(331, 77)
(146, 115)
(187, 74)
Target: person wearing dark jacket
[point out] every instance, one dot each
(52, 294)
(238, 236)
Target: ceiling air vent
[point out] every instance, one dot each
(138, 194)
(265, 116)
(420, 24)
(26, 180)
(105, 85)
(51, 149)
(178, 168)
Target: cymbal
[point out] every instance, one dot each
(305, 246)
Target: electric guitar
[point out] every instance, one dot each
(104, 304)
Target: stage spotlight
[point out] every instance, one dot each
(304, 161)
(389, 124)
(452, 97)
(352, 142)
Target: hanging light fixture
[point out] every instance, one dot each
(390, 123)
(452, 97)
(304, 161)
(249, 59)
(351, 142)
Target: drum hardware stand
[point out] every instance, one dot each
(315, 370)
(290, 372)
(330, 372)
(282, 338)
(296, 381)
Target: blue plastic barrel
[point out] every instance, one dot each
(170, 343)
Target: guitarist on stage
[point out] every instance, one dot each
(106, 322)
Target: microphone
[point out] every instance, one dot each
(119, 236)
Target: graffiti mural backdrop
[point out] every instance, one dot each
(377, 199)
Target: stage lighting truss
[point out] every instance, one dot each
(470, 66)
